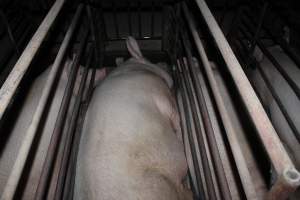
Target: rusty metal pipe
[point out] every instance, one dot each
(70, 173)
(19, 164)
(61, 117)
(286, 183)
(70, 132)
(188, 109)
(267, 134)
(12, 82)
(206, 121)
(231, 134)
(205, 162)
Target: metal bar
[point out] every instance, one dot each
(274, 93)
(188, 120)
(273, 146)
(203, 131)
(188, 101)
(12, 82)
(9, 31)
(259, 26)
(115, 18)
(70, 132)
(70, 176)
(152, 18)
(8, 68)
(19, 164)
(94, 33)
(266, 132)
(286, 183)
(206, 121)
(283, 44)
(60, 121)
(140, 18)
(164, 26)
(129, 17)
(71, 171)
(231, 134)
(69, 180)
(273, 60)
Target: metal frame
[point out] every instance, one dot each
(18, 167)
(232, 136)
(9, 88)
(274, 148)
(210, 174)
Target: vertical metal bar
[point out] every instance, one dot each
(140, 18)
(21, 41)
(9, 32)
(114, 7)
(203, 131)
(70, 132)
(275, 63)
(12, 82)
(273, 92)
(206, 121)
(70, 176)
(152, 18)
(94, 33)
(19, 164)
(258, 29)
(188, 120)
(266, 132)
(231, 134)
(205, 162)
(59, 124)
(273, 146)
(163, 26)
(129, 18)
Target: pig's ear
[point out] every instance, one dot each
(134, 48)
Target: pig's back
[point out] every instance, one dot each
(128, 145)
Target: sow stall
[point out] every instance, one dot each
(236, 152)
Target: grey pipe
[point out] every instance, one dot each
(231, 134)
(12, 82)
(19, 164)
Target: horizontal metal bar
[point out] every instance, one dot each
(266, 131)
(231, 134)
(12, 82)
(19, 164)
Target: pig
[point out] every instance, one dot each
(130, 146)
(21, 124)
(284, 92)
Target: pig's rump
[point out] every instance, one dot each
(129, 149)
